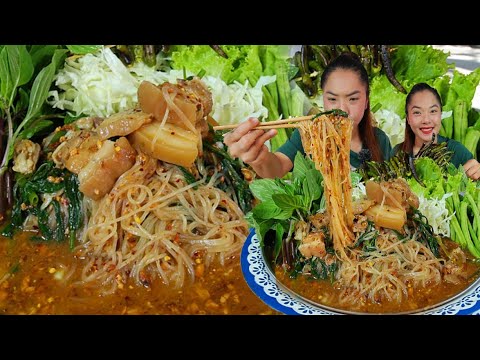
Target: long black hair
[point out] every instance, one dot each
(351, 61)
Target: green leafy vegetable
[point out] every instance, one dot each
(16, 69)
(47, 179)
(84, 49)
(242, 63)
(290, 200)
(74, 197)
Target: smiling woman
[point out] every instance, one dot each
(423, 107)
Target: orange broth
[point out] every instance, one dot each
(322, 292)
(31, 282)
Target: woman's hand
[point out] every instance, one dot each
(247, 143)
(472, 169)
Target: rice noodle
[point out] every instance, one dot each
(388, 272)
(152, 224)
(396, 265)
(327, 140)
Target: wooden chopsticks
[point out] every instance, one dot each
(277, 124)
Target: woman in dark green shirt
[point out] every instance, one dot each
(294, 144)
(345, 86)
(423, 107)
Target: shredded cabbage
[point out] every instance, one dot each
(100, 84)
(436, 212)
(235, 103)
(95, 84)
(359, 191)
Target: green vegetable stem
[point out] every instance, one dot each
(460, 119)
(447, 127)
(471, 140)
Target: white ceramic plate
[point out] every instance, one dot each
(263, 283)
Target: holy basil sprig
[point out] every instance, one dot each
(283, 201)
(17, 67)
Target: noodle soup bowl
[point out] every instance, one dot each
(260, 276)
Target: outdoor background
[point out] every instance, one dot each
(466, 59)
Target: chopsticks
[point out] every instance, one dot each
(277, 124)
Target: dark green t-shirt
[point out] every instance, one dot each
(460, 153)
(294, 144)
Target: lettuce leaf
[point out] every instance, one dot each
(428, 169)
(243, 61)
(383, 95)
(419, 63)
(463, 87)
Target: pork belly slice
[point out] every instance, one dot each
(76, 152)
(191, 97)
(123, 123)
(197, 92)
(100, 174)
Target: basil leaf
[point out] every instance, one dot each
(58, 58)
(35, 127)
(312, 186)
(41, 86)
(263, 189)
(279, 231)
(290, 189)
(39, 92)
(9, 73)
(72, 118)
(261, 225)
(266, 210)
(42, 55)
(26, 66)
(300, 167)
(16, 69)
(6, 82)
(287, 203)
(22, 100)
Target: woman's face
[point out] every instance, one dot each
(424, 116)
(343, 90)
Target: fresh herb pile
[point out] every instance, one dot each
(26, 75)
(283, 203)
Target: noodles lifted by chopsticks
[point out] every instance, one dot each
(388, 269)
(326, 140)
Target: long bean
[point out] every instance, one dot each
(466, 233)
(283, 87)
(476, 215)
(460, 120)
